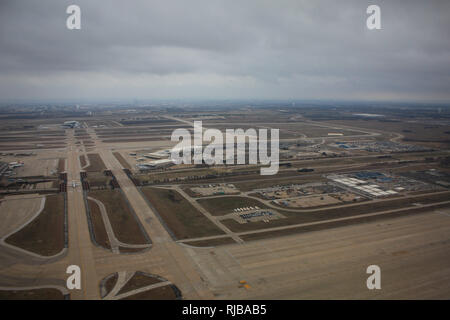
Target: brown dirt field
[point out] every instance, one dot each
(110, 283)
(35, 294)
(138, 280)
(83, 160)
(180, 216)
(97, 179)
(161, 293)
(100, 234)
(122, 160)
(96, 163)
(123, 220)
(45, 234)
(61, 165)
(224, 205)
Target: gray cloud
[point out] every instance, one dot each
(225, 49)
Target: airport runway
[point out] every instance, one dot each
(413, 254)
(80, 245)
(412, 251)
(176, 266)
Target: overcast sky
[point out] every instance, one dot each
(142, 49)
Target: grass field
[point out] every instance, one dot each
(61, 165)
(123, 221)
(83, 160)
(181, 217)
(139, 280)
(131, 250)
(96, 163)
(109, 284)
(100, 235)
(97, 179)
(45, 234)
(35, 294)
